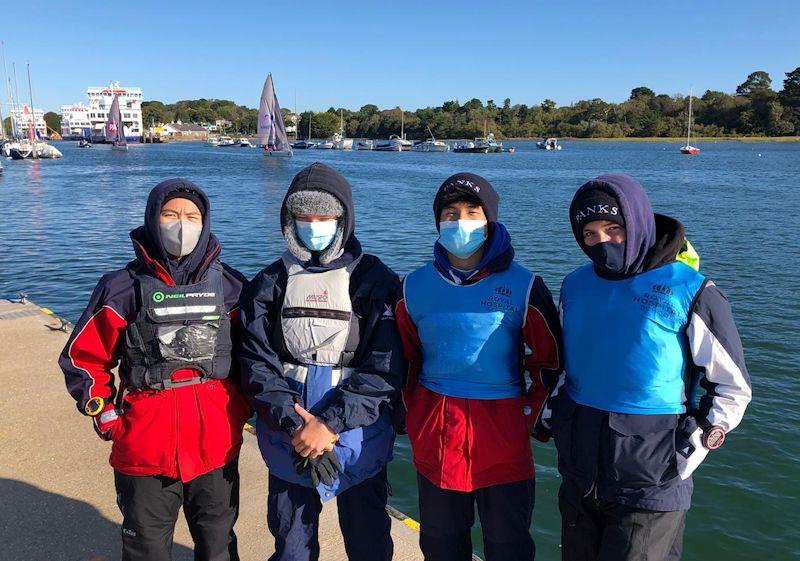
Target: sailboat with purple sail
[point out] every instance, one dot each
(271, 128)
(115, 128)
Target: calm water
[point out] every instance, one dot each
(64, 223)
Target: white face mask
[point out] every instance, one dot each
(180, 237)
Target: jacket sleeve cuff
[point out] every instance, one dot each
(333, 422)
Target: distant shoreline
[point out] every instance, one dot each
(676, 139)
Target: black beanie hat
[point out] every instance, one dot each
(594, 204)
(186, 193)
(467, 186)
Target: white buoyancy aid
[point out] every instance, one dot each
(317, 319)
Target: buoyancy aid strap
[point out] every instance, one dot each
(299, 373)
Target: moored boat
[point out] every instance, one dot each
(225, 141)
(471, 148)
(244, 143)
(431, 145)
(325, 145)
(364, 145)
(548, 144)
(689, 149)
(303, 144)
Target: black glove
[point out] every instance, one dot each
(324, 468)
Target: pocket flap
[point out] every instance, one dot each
(632, 424)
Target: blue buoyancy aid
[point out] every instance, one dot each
(471, 334)
(625, 342)
(320, 331)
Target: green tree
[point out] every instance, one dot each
(756, 81)
(790, 98)
(548, 105)
(642, 92)
(323, 124)
(53, 121)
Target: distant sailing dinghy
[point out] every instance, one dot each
(115, 128)
(689, 149)
(271, 128)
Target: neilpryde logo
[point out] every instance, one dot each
(158, 297)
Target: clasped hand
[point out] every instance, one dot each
(314, 437)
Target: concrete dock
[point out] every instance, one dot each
(57, 499)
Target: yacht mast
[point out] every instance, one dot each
(689, 127)
(33, 114)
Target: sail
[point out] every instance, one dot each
(271, 130)
(115, 129)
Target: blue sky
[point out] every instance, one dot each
(412, 54)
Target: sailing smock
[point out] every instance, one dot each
(321, 335)
(638, 365)
(470, 334)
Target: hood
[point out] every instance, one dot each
(497, 256)
(345, 247)
(634, 204)
(670, 236)
(147, 238)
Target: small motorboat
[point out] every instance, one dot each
(85, 143)
(244, 143)
(363, 145)
(431, 145)
(394, 144)
(549, 144)
(225, 141)
(303, 145)
(471, 148)
(212, 141)
(325, 145)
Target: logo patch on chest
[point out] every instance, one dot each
(320, 298)
(500, 300)
(658, 301)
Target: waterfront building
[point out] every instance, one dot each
(22, 117)
(75, 123)
(184, 130)
(130, 104)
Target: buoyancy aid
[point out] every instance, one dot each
(471, 335)
(321, 334)
(177, 327)
(625, 340)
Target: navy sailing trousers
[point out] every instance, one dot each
(293, 519)
(447, 516)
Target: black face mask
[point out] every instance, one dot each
(608, 256)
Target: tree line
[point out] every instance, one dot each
(755, 109)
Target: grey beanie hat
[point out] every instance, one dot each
(312, 202)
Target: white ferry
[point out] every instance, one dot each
(75, 123)
(130, 104)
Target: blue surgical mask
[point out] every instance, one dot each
(462, 238)
(609, 256)
(316, 236)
